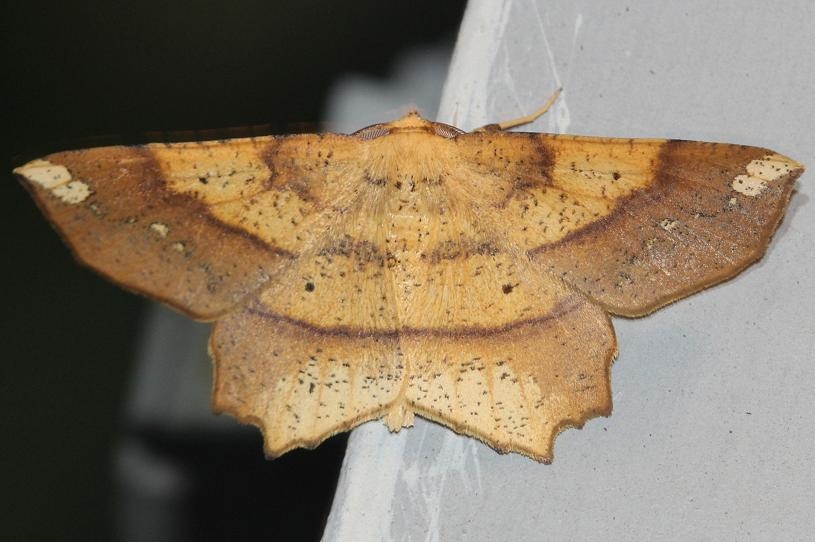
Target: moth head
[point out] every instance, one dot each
(413, 122)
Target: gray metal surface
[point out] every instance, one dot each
(711, 436)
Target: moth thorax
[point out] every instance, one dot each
(409, 159)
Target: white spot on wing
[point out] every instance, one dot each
(749, 186)
(769, 168)
(72, 193)
(160, 229)
(55, 178)
(44, 173)
(760, 172)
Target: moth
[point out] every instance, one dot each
(412, 268)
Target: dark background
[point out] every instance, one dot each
(86, 73)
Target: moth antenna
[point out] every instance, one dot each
(520, 121)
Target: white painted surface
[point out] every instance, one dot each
(713, 398)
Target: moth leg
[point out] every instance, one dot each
(520, 121)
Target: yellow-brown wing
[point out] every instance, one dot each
(514, 387)
(415, 303)
(199, 226)
(464, 279)
(636, 224)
